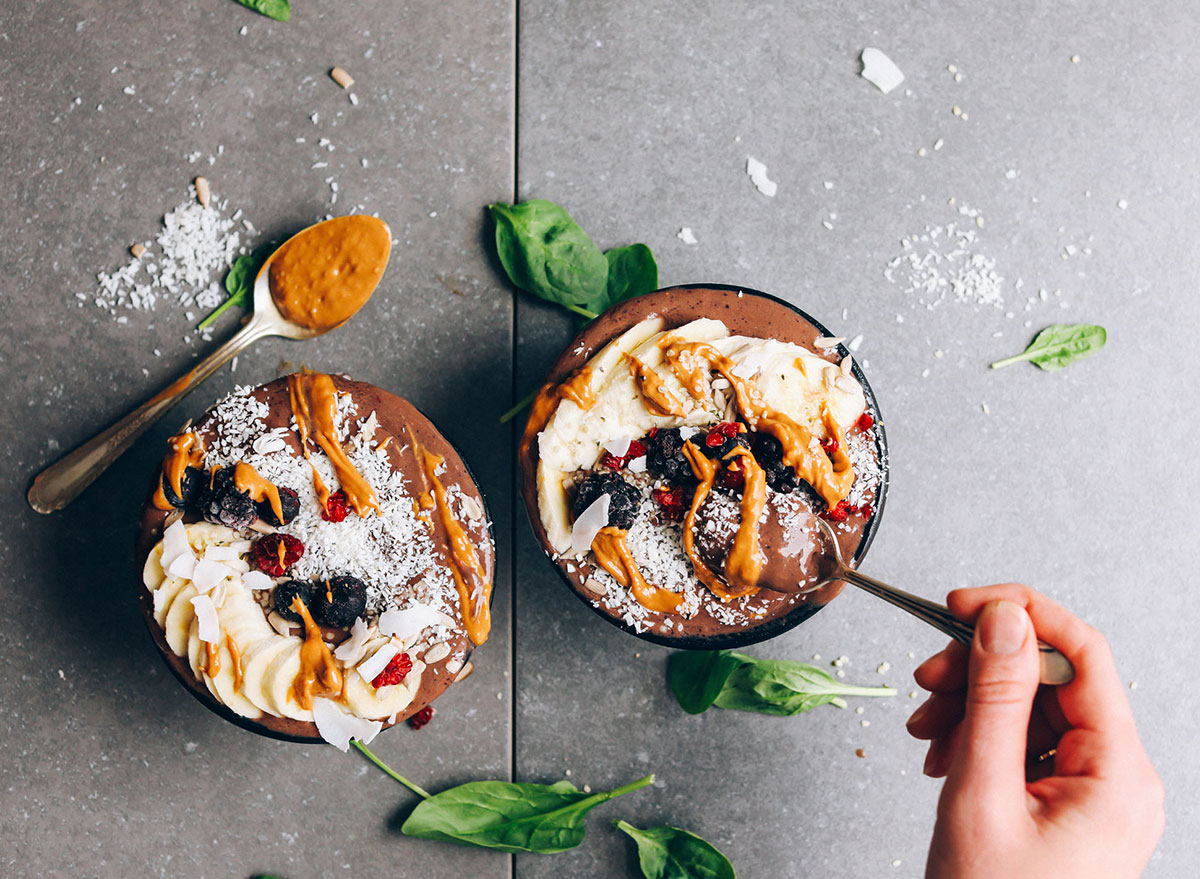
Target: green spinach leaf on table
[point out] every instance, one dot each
(280, 10)
(671, 853)
(1060, 345)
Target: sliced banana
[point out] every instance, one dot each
(365, 701)
(278, 680)
(254, 671)
(198, 656)
(226, 685)
(152, 572)
(165, 595)
(179, 618)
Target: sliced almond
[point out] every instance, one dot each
(203, 193)
(594, 586)
(829, 341)
(436, 653)
(465, 673)
(137, 250)
(847, 364)
(341, 77)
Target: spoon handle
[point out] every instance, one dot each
(61, 482)
(1054, 667)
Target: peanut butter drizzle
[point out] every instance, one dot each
(577, 388)
(705, 472)
(474, 597)
(247, 480)
(212, 659)
(322, 276)
(186, 450)
(692, 378)
(830, 475)
(314, 405)
(319, 674)
(744, 564)
(235, 656)
(655, 396)
(611, 552)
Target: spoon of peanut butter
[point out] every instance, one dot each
(804, 555)
(313, 283)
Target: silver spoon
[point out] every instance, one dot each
(1055, 668)
(61, 482)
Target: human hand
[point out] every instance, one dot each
(1093, 809)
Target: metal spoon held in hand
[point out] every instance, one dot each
(322, 305)
(1055, 668)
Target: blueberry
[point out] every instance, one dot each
(190, 484)
(289, 503)
(340, 601)
(623, 499)
(664, 457)
(768, 452)
(285, 593)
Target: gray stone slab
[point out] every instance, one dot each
(111, 769)
(639, 117)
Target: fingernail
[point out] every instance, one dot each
(1002, 627)
(921, 711)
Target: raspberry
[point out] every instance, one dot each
(394, 672)
(865, 421)
(866, 511)
(733, 477)
(636, 450)
(720, 432)
(273, 554)
(830, 446)
(838, 513)
(337, 507)
(421, 718)
(672, 502)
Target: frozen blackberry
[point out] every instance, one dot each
(286, 592)
(220, 502)
(289, 503)
(340, 601)
(664, 456)
(193, 479)
(768, 452)
(623, 498)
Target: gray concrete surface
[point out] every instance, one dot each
(639, 118)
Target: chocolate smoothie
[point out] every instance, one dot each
(330, 559)
(683, 439)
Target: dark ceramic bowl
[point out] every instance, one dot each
(679, 305)
(291, 731)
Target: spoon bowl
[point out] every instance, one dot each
(62, 482)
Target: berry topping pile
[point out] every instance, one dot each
(273, 554)
(394, 672)
(611, 461)
(673, 501)
(623, 498)
(664, 456)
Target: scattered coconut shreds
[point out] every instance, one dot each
(686, 236)
(758, 176)
(338, 728)
(942, 263)
(588, 525)
(341, 77)
(182, 266)
(880, 70)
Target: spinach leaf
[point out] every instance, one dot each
(545, 253)
(632, 271)
(239, 282)
(671, 853)
(785, 688)
(510, 816)
(1060, 345)
(697, 676)
(767, 686)
(279, 10)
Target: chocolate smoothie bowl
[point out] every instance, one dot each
(675, 458)
(317, 560)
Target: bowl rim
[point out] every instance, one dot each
(208, 700)
(788, 621)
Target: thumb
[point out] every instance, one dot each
(1002, 682)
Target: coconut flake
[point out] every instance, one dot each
(257, 580)
(408, 622)
(220, 554)
(588, 524)
(637, 465)
(371, 667)
(209, 627)
(618, 448)
(175, 544)
(183, 566)
(208, 574)
(880, 70)
(758, 176)
(686, 236)
(338, 728)
(687, 432)
(350, 650)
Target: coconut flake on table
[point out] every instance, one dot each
(758, 176)
(370, 667)
(880, 70)
(686, 236)
(338, 728)
(208, 627)
(588, 525)
(413, 620)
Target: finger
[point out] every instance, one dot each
(1096, 698)
(941, 753)
(944, 672)
(937, 716)
(989, 766)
